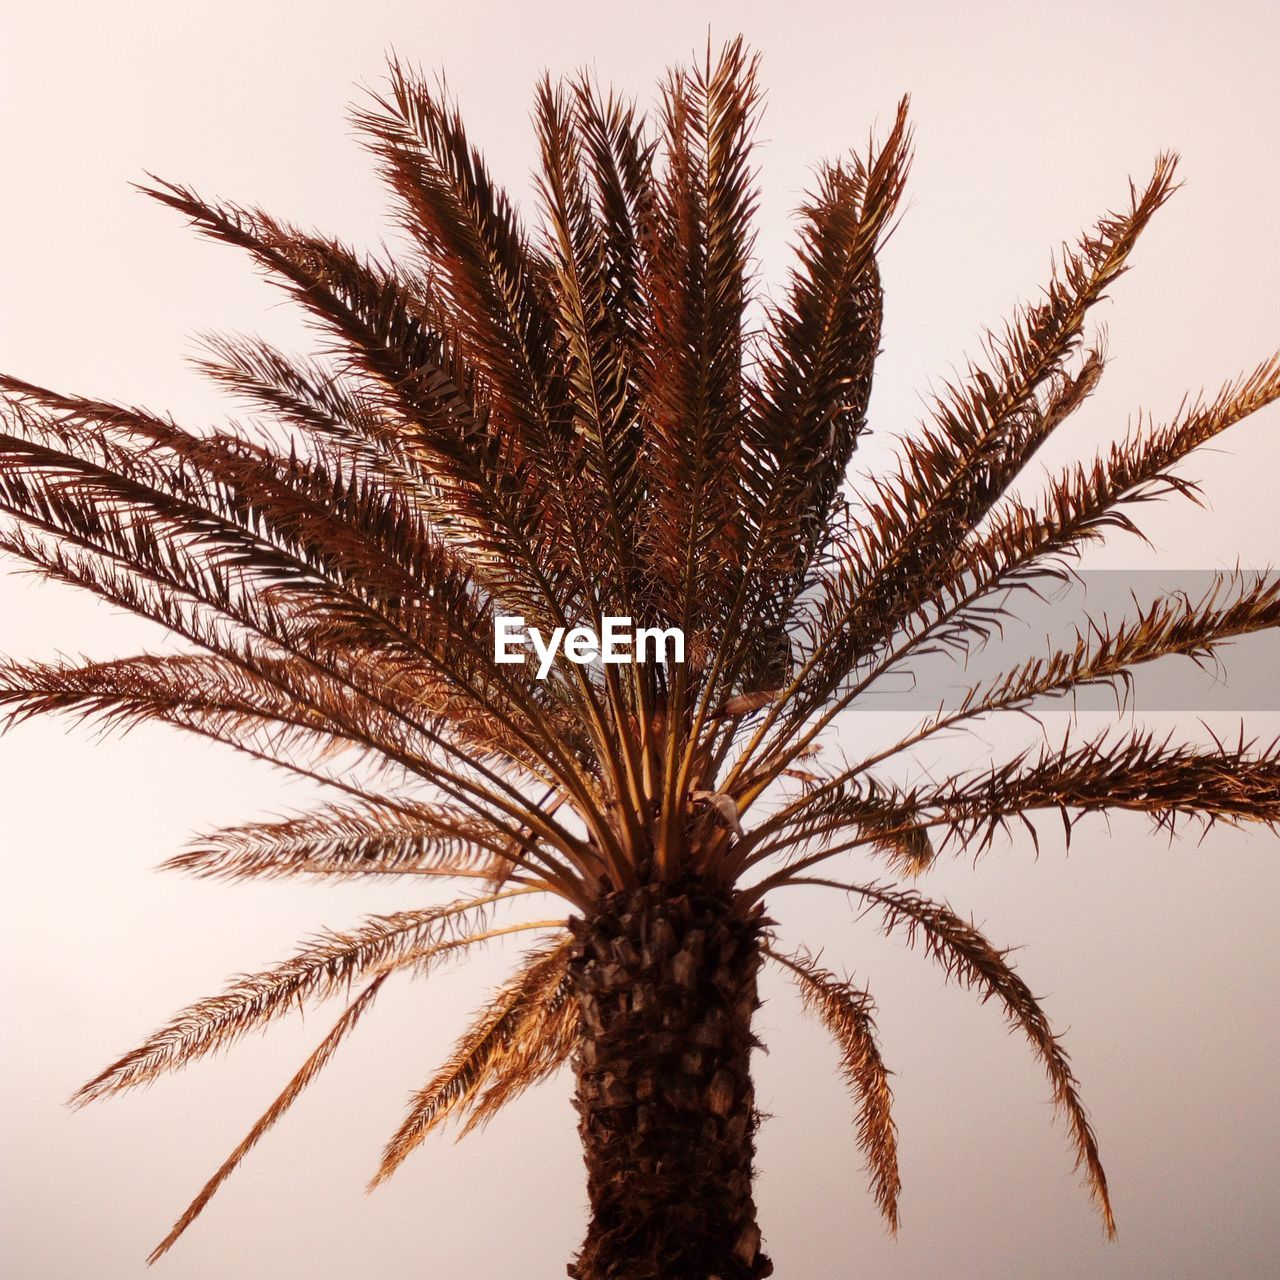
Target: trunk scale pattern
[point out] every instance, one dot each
(665, 977)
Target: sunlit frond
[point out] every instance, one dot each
(547, 1036)
(491, 1054)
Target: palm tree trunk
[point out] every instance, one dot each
(666, 984)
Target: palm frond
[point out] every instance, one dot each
(476, 252)
(321, 969)
(847, 1014)
(811, 391)
(699, 251)
(1134, 771)
(491, 296)
(984, 431)
(548, 1035)
(1235, 605)
(383, 324)
(196, 541)
(298, 533)
(969, 959)
(328, 409)
(483, 1057)
(601, 360)
(1030, 544)
(1085, 502)
(617, 153)
(1026, 545)
(412, 839)
(315, 1063)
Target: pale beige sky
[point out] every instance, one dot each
(1160, 963)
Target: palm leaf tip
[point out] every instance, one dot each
(323, 968)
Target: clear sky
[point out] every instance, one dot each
(1160, 963)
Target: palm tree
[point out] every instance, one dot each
(606, 418)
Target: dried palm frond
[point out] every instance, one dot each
(968, 958)
(847, 1013)
(484, 1057)
(305, 1074)
(321, 969)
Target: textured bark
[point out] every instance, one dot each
(666, 983)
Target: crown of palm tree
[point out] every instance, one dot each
(604, 417)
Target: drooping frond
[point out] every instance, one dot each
(321, 969)
(847, 1013)
(311, 1068)
(970, 960)
(503, 1051)
(547, 1036)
